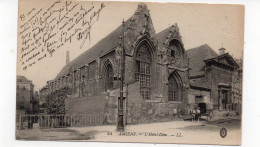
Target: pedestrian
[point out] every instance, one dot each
(105, 119)
(197, 117)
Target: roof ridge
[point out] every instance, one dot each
(107, 43)
(107, 36)
(204, 45)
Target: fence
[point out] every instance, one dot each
(59, 120)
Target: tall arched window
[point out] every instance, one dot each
(143, 71)
(175, 52)
(172, 89)
(109, 77)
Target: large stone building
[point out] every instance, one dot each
(24, 95)
(162, 79)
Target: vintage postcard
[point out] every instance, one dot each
(129, 72)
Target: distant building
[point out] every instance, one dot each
(24, 95)
(35, 103)
(42, 100)
(237, 81)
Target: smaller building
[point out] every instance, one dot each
(24, 95)
(215, 79)
(35, 103)
(42, 100)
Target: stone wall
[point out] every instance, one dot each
(215, 76)
(153, 111)
(205, 98)
(24, 97)
(137, 109)
(86, 105)
(143, 111)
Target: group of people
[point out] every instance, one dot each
(195, 114)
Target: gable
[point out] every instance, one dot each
(224, 59)
(166, 36)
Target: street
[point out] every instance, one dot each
(199, 132)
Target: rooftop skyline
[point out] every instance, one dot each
(215, 25)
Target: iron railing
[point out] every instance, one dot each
(58, 120)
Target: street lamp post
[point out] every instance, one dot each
(120, 124)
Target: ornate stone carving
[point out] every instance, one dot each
(162, 57)
(173, 55)
(141, 9)
(145, 26)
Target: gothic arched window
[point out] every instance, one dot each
(175, 50)
(143, 71)
(109, 77)
(173, 89)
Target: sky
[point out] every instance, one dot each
(215, 25)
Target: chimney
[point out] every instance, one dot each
(222, 51)
(67, 57)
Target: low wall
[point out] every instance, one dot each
(86, 105)
(142, 111)
(137, 109)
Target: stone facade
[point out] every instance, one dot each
(157, 74)
(215, 80)
(24, 95)
(137, 110)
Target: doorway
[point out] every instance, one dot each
(203, 107)
(224, 99)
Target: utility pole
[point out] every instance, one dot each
(120, 124)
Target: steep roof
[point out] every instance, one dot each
(161, 36)
(197, 56)
(200, 82)
(168, 34)
(104, 46)
(22, 79)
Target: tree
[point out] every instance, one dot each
(55, 101)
